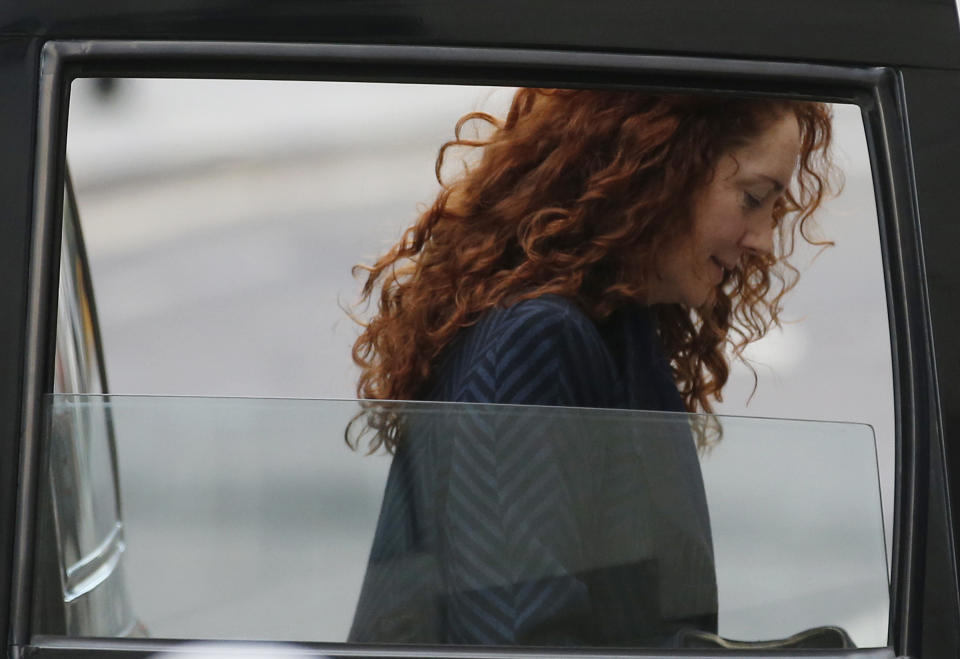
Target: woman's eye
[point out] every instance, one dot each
(750, 201)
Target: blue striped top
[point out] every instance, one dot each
(512, 526)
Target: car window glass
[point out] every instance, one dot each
(222, 219)
(251, 518)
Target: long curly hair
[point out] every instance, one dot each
(570, 193)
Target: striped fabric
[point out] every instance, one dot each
(540, 526)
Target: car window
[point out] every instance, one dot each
(251, 518)
(221, 242)
(222, 219)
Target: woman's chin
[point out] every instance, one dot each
(706, 299)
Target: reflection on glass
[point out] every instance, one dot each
(522, 525)
(251, 518)
(80, 576)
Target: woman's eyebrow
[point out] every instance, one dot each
(777, 185)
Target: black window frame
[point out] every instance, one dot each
(877, 90)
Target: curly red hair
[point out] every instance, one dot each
(571, 191)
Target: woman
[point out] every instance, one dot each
(605, 251)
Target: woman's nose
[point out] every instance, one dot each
(759, 239)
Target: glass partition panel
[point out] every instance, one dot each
(253, 518)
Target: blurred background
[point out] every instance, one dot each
(222, 219)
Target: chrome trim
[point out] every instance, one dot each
(406, 63)
(42, 251)
(49, 645)
(96, 567)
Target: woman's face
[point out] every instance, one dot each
(732, 215)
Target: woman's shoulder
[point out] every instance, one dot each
(547, 318)
(543, 350)
(549, 309)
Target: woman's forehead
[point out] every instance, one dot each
(773, 154)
